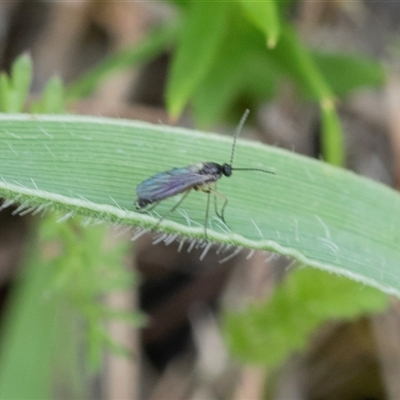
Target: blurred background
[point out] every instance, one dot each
(140, 60)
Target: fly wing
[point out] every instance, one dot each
(170, 183)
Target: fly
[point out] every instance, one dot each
(202, 176)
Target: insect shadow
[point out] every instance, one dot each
(201, 176)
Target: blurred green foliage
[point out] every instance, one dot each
(267, 332)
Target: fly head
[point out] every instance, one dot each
(226, 169)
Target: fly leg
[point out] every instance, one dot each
(207, 212)
(171, 210)
(152, 207)
(222, 214)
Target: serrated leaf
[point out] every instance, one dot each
(269, 331)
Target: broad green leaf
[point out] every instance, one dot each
(321, 215)
(200, 41)
(267, 332)
(265, 16)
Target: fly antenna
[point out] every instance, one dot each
(253, 169)
(238, 131)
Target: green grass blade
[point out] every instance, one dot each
(323, 216)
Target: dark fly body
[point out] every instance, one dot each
(201, 176)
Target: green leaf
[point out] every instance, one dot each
(247, 80)
(300, 65)
(21, 77)
(15, 88)
(298, 62)
(224, 81)
(245, 70)
(345, 73)
(200, 40)
(332, 138)
(36, 316)
(321, 215)
(261, 85)
(268, 332)
(144, 51)
(52, 101)
(4, 92)
(265, 16)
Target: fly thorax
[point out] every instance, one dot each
(211, 168)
